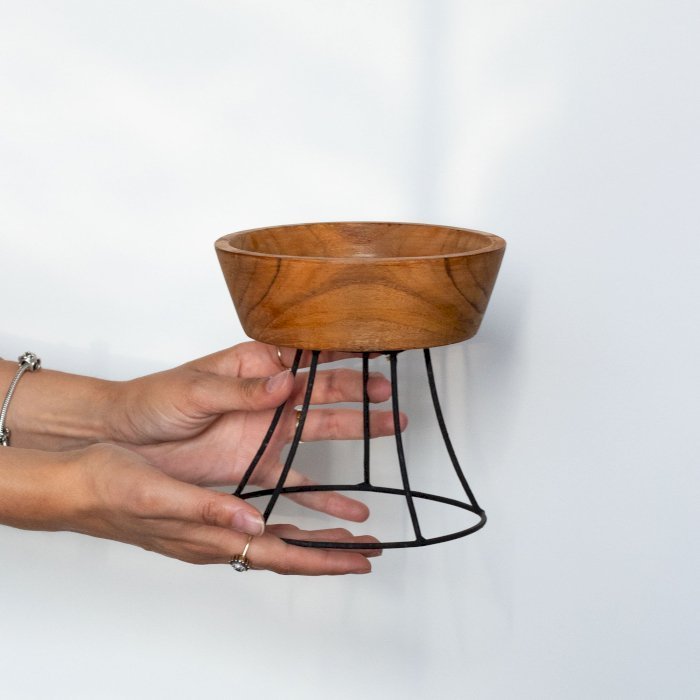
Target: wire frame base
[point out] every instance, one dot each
(366, 486)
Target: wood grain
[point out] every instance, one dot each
(360, 286)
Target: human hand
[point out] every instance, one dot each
(110, 492)
(203, 422)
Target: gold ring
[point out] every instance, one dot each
(240, 562)
(297, 413)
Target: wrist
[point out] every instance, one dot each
(39, 490)
(57, 411)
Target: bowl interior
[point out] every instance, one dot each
(353, 240)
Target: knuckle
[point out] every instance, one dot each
(248, 390)
(281, 569)
(284, 566)
(145, 501)
(333, 386)
(191, 557)
(210, 510)
(338, 534)
(334, 426)
(343, 384)
(195, 553)
(198, 389)
(198, 555)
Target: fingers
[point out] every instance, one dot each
(254, 359)
(210, 545)
(168, 498)
(269, 552)
(211, 392)
(119, 496)
(335, 535)
(345, 424)
(329, 502)
(214, 545)
(215, 394)
(342, 385)
(284, 357)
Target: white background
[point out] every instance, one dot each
(132, 134)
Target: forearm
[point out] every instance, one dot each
(38, 490)
(57, 411)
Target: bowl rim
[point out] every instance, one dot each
(492, 242)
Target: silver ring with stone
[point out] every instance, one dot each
(240, 562)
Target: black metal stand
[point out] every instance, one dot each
(366, 485)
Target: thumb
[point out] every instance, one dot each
(217, 393)
(199, 505)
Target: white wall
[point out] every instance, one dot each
(132, 134)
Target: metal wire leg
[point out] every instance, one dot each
(268, 435)
(365, 416)
(365, 486)
(445, 434)
(399, 447)
(297, 436)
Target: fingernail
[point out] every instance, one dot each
(276, 381)
(249, 523)
(365, 568)
(377, 375)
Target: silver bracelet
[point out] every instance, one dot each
(27, 362)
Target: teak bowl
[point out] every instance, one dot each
(360, 286)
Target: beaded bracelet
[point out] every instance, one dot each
(27, 362)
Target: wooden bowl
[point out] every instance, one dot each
(360, 286)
